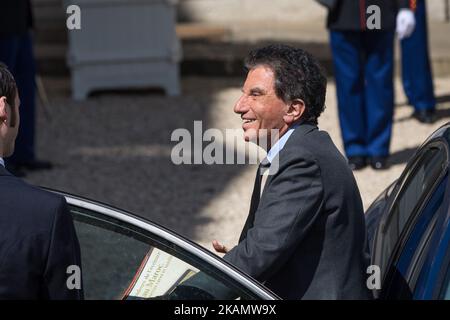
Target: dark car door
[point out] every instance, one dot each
(402, 237)
(126, 257)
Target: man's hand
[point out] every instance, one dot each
(218, 247)
(406, 22)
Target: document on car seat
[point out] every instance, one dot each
(158, 275)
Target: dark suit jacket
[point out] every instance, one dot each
(37, 242)
(308, 237)
(16, 17)
(351, 15)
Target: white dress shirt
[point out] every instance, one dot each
(274, 151)
(276, 148)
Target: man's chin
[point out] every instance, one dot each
(250, 138)
(251, 135)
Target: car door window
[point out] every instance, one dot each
(418, 184)
(421, 236)
(122, 261)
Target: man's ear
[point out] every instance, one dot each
(3, 108)
(296, 108)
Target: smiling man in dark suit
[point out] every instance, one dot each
(305, 235)
(38, 243)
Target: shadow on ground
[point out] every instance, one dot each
(402, 156)
(442, 108)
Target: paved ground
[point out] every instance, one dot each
(116, 148)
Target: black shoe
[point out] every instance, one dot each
(425, 116)
(34, 165)
(15, 170)
(379, 163)
(357, 162)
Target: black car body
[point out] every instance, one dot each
(409, 226)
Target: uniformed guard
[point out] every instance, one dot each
(362, 43)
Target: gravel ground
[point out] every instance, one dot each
(116, 148)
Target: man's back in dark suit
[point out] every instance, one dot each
(37, 242)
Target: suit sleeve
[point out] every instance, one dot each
(64, 252)
(288, 208)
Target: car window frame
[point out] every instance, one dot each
(438, 259)
(186, 244)
(419, 258)
(152, 241)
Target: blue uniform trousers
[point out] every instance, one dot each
(363, 66)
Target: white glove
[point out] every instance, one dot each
(406, 22)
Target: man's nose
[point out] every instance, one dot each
(240, 105)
